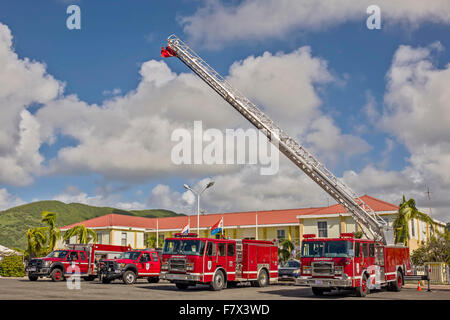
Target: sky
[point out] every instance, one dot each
(87, 114)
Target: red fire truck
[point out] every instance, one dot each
(131, 265)
(350, 263)
(188, 260)
(60, 263)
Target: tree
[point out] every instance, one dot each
(83, 234)
(54, 234)
(286, 250)
(150, 242)
(437, 249)
(406, 213)
(36, 241)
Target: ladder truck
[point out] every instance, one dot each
(361, 275)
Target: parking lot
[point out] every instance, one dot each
(22, 288)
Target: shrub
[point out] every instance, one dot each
(12, 266)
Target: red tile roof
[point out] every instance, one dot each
(268, 217)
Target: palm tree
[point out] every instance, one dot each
(54, 234)
(150, 242)
(36, 239)
(286, 249)
(406, 213)
(83, 234)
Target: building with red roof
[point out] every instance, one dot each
(291, 224)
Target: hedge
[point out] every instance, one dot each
(12, 266)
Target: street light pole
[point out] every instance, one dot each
(198, 194)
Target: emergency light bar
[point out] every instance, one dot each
(185, 235)
(307, 236)
(347, 235)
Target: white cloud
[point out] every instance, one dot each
(216, 24)
(72, 194)
(8, 200)
(22, 83)
(417, 114)
(127, 138)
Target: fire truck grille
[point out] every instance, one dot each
(322, 269)
(109, 265)
(35, 263)
(177, 265)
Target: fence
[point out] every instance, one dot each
(439, 272)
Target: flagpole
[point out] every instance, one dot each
(222, 227)
(256, 225)
(157, 236)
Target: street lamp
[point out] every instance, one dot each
(198, 194)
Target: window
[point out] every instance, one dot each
(231, 251)
(371, 250)
(155, 257)
(365, 249)
(222, 248)
(145, 257)
(211, 249)
(83, 256)
(413, 231)
(123, 239)
(281, 234)
(357, 249)
(323, 229)
(73, 256)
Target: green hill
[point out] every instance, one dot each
(14, 222)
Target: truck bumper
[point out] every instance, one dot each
(110, 275)
(42, 272)
(179, 277)
(324, 282)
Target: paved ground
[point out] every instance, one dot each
(19, 288)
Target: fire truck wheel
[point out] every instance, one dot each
(363, 289)
(263, 279)
(32, 277)
(397, 285)
(129, 277)
(106, 280)
(89, 278)
(182, 286)
(218, 282)
(57, 275)
(317, 291)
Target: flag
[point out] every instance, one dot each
(185, 229)
(217, 227)
(167, 52)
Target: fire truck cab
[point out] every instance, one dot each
(130, 266)
(350, 263)
(77, 258)
(188, 260)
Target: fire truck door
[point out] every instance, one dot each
(144, 265)
(222, 255)
(231, 261)
(156, 264)
(210, 260)
(83, 262)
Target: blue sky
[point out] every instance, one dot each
(118, 37)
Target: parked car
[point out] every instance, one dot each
(289, 270)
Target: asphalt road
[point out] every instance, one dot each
(18, 288)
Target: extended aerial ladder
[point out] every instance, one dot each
(372, 225)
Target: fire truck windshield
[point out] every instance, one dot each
(58, 254)
(326, 249)
(187, 247)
